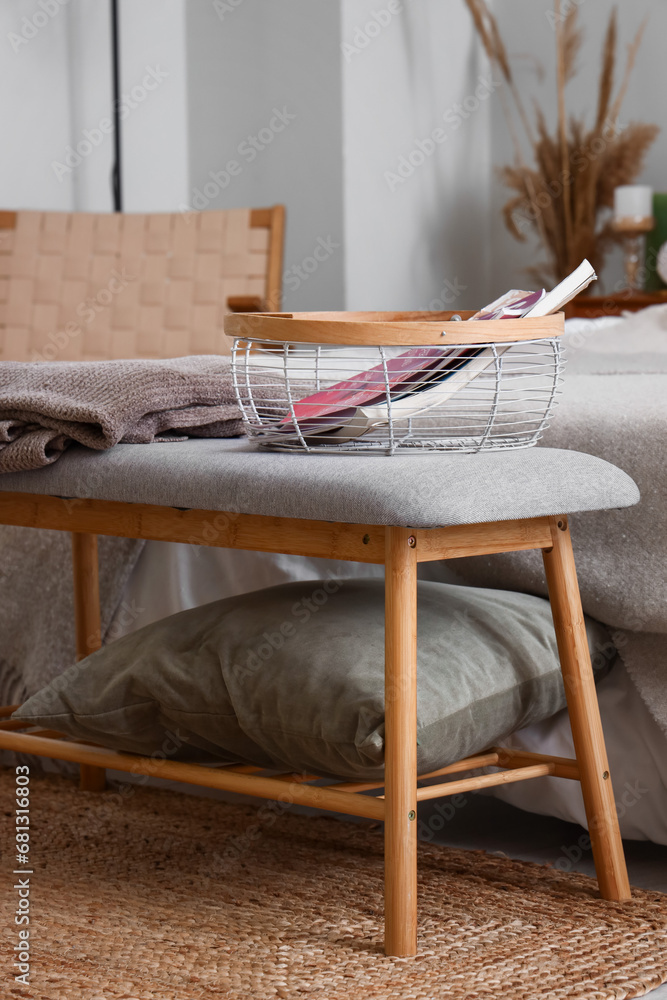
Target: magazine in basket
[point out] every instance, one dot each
(420, 378)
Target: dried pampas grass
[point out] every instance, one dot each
(567, 192)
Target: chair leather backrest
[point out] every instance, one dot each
(84, 286)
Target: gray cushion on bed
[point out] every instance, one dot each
(292, 677)
(420, 491)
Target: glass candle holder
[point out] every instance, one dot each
(633, 229)
(633, 219)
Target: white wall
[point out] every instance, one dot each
(365, 79)
(419, 240)
(35, 113)
(525, 25)
(155, 84)
(227, 66)
(246, 59)
(363, 98)
(55, 75)
(88, 70)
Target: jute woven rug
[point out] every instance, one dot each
(158, 896)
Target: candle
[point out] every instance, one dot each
(633, 201)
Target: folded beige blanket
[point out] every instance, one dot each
(46, 406)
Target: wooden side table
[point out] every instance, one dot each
(596, 306)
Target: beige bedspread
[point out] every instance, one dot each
(37, 604)
(614, 405)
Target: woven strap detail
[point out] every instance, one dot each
(82, 286)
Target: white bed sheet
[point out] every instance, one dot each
(173, 577)
(637, 752)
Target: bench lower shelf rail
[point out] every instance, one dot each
(343, 797)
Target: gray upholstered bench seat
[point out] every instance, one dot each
(419, 491)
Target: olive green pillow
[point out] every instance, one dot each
(292, 677)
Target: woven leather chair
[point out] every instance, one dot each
(89, 287)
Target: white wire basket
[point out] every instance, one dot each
(433, 385)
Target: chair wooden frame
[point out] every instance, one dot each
(400, 550)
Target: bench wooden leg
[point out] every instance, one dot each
(88, 628)
(400, 831)
(584, 714)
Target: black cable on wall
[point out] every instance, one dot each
(116, 178)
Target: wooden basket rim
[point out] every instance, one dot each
(390, 329)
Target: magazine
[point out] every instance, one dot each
(422, 377)
(563, 293)
(365, 418)
(415, 393)
(405, 374)
(511, 305)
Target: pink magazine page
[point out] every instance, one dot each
(406, 373)
(512, 305)
(370, 387)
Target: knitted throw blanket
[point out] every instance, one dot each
(45, 406)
